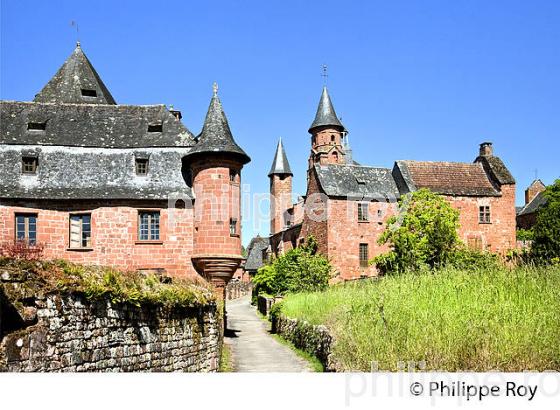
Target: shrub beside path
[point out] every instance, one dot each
(253, 348)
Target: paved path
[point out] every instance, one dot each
(253, 348)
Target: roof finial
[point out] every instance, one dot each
(215, 88)
(325, 74)
(75, 24)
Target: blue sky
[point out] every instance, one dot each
(424, 80)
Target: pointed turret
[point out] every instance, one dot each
(280, 165)
(216, 137)
(76, 82)
(326, 115)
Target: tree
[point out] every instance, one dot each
(424, 232)
(299, 270)
(546, 231)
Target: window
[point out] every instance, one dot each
(364, 257)
(233, 226)
(80, 231)
(37, 126)
(474, 242)
(29, 165)
(232, 175)
(380, 213)
(484, 214)
(89, 93)
(332, 138)
(148, 226)
(363, 212)
(142, 166)
(155, 127)
(335, 156)
(26, 228)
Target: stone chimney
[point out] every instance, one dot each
(176, 113)
(533, 190)
(486, 149)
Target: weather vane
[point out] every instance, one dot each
(75, 24)
(325, 74)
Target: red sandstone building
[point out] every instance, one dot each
(122, 185)
(347, 204)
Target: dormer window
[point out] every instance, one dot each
(155, 127)
(29, 165)
(142, 166)
(36, 126)
(89, 93)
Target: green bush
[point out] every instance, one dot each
(524, 235)
(467, 258)
(423, 234)
(546, 243)
(299, 270)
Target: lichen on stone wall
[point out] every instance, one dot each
(64, 323)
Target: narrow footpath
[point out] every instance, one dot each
(253, 348)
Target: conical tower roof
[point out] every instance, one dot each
(216, 136)
(76, 82)
(280, 165)
(326, 115)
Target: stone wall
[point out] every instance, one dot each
(236, 289)
(315, 340)
(69, 333)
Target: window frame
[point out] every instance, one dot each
(89, 240)
(363, 217)
(233, 227)
(26, 230)
(151, 213)
(364, 263)
(138, 162)
(34, 165)
(484, 214)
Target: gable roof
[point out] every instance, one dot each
(110, 126)
(254, 253)
(357, 181)
(326, 115)
(448, 178)
(538, 201)
(216, 136)
(76, 74)
(496, 168)
(280, 164)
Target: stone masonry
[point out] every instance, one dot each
(69, 333)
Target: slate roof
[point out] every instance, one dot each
(254, 253)
(280, 164)
(216, 136)
(497, 169)
(326, 115)
(448, 178)
(110, 126)
(75, 75)
(538, 201)
(92, 173)
(357, 182)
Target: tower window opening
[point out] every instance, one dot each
(155, 127)
(89, 93)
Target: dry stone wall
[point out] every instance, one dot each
(315, 340)
(69, 333)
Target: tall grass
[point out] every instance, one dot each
(453, 320)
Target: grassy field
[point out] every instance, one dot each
(506, 320)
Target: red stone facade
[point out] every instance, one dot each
(115, 239)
